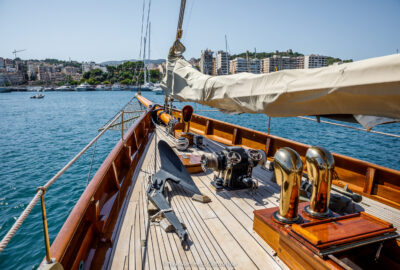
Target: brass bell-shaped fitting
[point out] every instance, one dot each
(288, 169)
(320, 169)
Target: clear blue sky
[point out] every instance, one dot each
(110, 30)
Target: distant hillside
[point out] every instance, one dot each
(116, 63)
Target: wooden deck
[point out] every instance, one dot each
(220, 232)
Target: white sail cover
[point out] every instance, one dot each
(368, 87)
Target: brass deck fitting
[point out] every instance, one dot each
(187, 112)
(320, 169)
(288, 169)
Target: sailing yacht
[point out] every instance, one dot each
(181, 190)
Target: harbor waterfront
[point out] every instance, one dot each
(38, 137)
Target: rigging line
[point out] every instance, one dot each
(189, 18)
(145, 40)
(347, 126)
(91, 163)
(180, 20)
(148, 19)
(141, 33)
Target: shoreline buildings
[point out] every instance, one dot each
(17, 72)
(221, 65)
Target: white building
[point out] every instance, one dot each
(222, 63)
(240, 64)
(315, 61)
(86, 67)
(11, 69)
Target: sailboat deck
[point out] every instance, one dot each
(221, 232)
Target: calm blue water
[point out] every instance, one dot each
(38, 137)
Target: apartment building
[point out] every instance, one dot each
(277, 62)
(222, 63)
(315, 61)
(11, 78)
(255, 66)
(2, 66)
(240, 64)
(207, 62)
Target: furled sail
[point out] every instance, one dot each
(370, 87)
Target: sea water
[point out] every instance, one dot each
(39, 136)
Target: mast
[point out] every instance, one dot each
(247, 61)
(145, 39)
(226, 44)
(148, 62)
(144, 59)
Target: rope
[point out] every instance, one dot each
(180, 20)
(91, 163)
(6, 239)
(141, 33)
(347, 126)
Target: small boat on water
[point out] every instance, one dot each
(85, 87)
(101, 87)
(37, 96)
(158, 91)
(116, 87)
(34, 88)
(65, 88)
(148, 86)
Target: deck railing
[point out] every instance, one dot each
(132, 141)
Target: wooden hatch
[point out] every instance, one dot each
(341, 230)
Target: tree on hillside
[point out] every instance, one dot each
(126, 82)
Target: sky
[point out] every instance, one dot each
(100, 30)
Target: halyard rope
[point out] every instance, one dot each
(180, 20)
